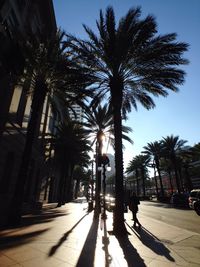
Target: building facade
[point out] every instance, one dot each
(22, 16)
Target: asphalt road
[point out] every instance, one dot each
(183, 218)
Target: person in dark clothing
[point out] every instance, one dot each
(133, 206)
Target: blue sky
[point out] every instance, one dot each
(178, 114)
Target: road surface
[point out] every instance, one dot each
(183, 218)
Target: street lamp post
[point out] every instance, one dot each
(91, 186)
(92, 182)
(99, 148)
(105, 161)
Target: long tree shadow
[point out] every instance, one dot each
(105, 242)
(31, 219)
(152, 242)
(10, 241)
(64, 238)
(130, 253)
(88, 251)
(43, 217)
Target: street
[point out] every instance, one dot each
(184, 218)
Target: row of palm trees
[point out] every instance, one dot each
(170, 157)
(123, 63)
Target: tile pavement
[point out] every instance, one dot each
(70, 237)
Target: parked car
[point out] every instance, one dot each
(194, 200)
(180, 200)
(110, 203)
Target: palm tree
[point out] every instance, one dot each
(98, 123)
(143, 162)
(71, 148)
(133, 167)
(185, 158)
(154, 149)
(51, 73)
(171, 145)
(79, 175)
(166, 166)
(129, 61)
(195, 150)
(139, 165)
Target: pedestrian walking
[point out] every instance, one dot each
(133, 206)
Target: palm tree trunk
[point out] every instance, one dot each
(65, 181)
(36, 109)
(137, 182)
(160, 178)
(62, 180)
(170, 180)
(118, 222)
(77, 187)
(181, 178)
(173, 160)
(69, 183)
(143, 182)
(189, 186)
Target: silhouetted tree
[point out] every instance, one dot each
(129, 61)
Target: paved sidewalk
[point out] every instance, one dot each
(68, 236)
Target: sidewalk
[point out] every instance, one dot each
(68, 236)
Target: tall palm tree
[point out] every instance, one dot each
(98, 123)
(51, 73)
(154, 149)
(171, 145)
(129, 62)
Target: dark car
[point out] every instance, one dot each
(180, 200)
(194, 200)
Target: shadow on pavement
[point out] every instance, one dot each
(44, 217)
(88, 252)
(17, 240)
(166, 205)
(152, 242)
(64, 238)
(130, 253)
(105, 242)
